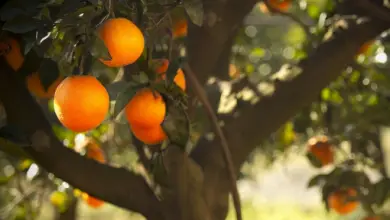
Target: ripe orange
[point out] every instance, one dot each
(123, 39)
(321, 149)
(282, 5)
(12, 53)
(179, 79)
(180, 28)
(146, 109)
(35, 86)
(81, 103)
(149, 135)
(92, 201)
(364, 48)
(95, 152)
(341, 201)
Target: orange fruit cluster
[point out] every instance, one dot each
(342, 201)
(81, 103)
(321, 149)
(124, 41)
(14, 57)
(145, 113)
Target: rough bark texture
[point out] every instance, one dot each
(199, 184)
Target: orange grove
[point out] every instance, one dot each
(81, 103)
(149, 135)
(282, 5)
(35, 86)
(124, 41)
(179, 79)
(321, 149)
(12, 53)
(180, 28)
(146, 109)
(92, 201)
(342, 201)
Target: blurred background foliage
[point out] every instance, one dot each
(352, 112)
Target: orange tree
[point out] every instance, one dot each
(96, 60)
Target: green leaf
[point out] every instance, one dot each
(124, 97)
(380, 191)
(21, 25)
(48, 72)
(316, 180)
(173, 67)
(313, 160)
(115, 88)
(31, 63)
(194, 9)
(87, 63)
(176, 124)
(28, 43)
(99, 49)
(10, 10)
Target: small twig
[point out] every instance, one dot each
(199, 91)
(110, 8)
(170, 39)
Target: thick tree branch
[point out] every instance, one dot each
(323, 66)
(205, 44)
(98, 180)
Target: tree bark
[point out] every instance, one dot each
(200, 183)
(318, 70)
(98, 180)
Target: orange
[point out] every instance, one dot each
(124, 41)
(12, 53)
(282, 5)
(364, 48)
(180, 28)
(179, 79)
(321, 149)
(35, 86)
(146, 109)
(81, 103)
(92, 201)
(341, 201)
(150, 135)
(95, 152)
